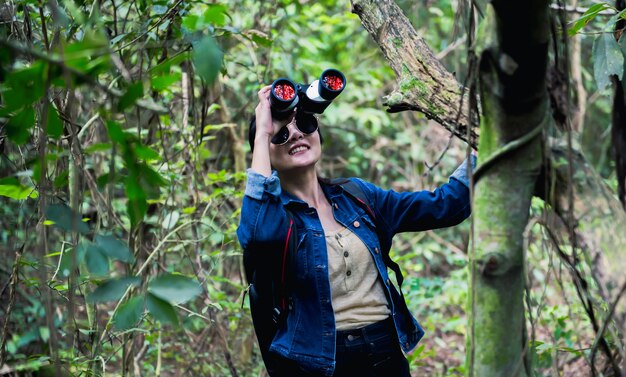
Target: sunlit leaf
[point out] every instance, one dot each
(160, 83)
(215, 15)
(589, 15)
(190, 22)
(146, 153)
(12, 188)
(174, 288)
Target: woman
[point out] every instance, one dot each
(345, 316)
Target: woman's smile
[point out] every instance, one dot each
(298, 149)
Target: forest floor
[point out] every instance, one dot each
(445, 361)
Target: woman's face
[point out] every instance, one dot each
(300, 150)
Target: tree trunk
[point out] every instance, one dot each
(512, 80)
(594, 210)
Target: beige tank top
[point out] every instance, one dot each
(357, 292)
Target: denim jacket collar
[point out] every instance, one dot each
(289, 200)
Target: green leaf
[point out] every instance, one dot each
(161, 310)
(164, 68)
(261, 40)
(622, 46)
(152, 179)
(589, 15)
(118, 38)
(26, 86)
(160, 83)
(113, 289)
(66, 262)
(18, 125)
(55, 126)
(88, 54)
(114, 248)
(607, 60)
(146, 153)
(116, 133)
(97, 147)
(129, 313)
(65, 218)
(97, 263)
(207, 57)
(12, 188)
(190, 22)
(62, 179)
(176, 289)
(215, 15)
(137, 205)
(133, 93)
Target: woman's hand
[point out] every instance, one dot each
(264, 125)
(264, 132)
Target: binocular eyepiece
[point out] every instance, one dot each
(286, 96)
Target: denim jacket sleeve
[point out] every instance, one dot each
(263, 219)
(447, 205)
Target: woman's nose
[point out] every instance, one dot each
(294, 132)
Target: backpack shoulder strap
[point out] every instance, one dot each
(355, 191)
(281, 280)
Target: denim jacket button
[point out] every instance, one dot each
(336, 205)
(356, 224)
(376, 250)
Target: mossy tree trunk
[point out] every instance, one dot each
(515, 104)
(593, 213)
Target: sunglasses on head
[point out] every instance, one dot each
(306, 123)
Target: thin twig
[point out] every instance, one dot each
(156, 24)
(14, 280)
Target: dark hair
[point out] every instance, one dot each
(300, 117)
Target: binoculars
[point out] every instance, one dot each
(286, 96)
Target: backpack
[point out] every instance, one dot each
(268, 287)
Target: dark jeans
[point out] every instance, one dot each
(372, 351)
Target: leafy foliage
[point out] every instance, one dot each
(123, 143)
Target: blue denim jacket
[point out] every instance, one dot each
(308, 334)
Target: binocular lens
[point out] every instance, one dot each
(283, 98)
(333, 82)
(284, 91)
